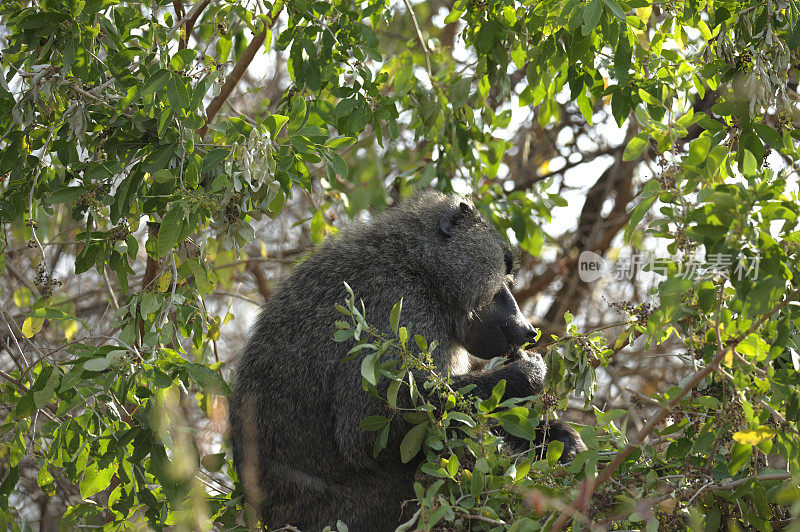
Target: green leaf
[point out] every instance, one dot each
(616, 9)
(459, 92)
(339, 142)
(794, 37)
(585, 105)
(484, 38)
(635, 147)
(177, 94)
(191, 176)
(589, 437)
(369, 368)
(164, 118)
(698, 151)
(94, 480)
(753, 347)
(490, 403)
(769, 135)
(649, 196)
(65, 195)
(394, 316)
(453, 16)
(297, 114)
(158, 158)
(509, 15)
(391, 393)
(591, 16)
(648, 98)
(156, 82)
(274, 123)
(515, 421)
(622, 58)
(412, 442)
(25, 406)
(755, 436)
(476, 485)
(763, 296)
(337, 164)
(96, 364)
(554, 450)
(452, 465)
(170, 230)
(345, 107)
(358, 119)
(372, 423)
(224, 45)
(317, 227)
(129, 97)
(215, 156)
(86, 258)
(164, 176)
(148, 304)
(733, 107)
(208, 379)
(31, 326)
(421, 342)
(463, 418)
(213, 462)
(182, 58)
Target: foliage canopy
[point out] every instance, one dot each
(132, 184)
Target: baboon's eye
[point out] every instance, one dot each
(509, 258)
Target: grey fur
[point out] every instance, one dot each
(296, 406)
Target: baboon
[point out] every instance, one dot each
(296, 406)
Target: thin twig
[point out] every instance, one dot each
(96, 98)
(421, 39)
(481, 518)
(21, 352)
(237, 296)
(110, 290)
(701, 490)
(733, 484)
(13, 381)
(642, 397)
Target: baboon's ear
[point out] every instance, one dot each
(452, 216)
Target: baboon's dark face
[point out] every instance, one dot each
(498, 327)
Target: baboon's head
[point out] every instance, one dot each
(467, 263)
(498, 327)
(462, 254)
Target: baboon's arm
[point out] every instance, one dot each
(523, 377)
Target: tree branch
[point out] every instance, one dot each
(261, 279)
(190, 16)
(236, 74)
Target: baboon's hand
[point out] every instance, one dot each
(518, 353)
(524, 374)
